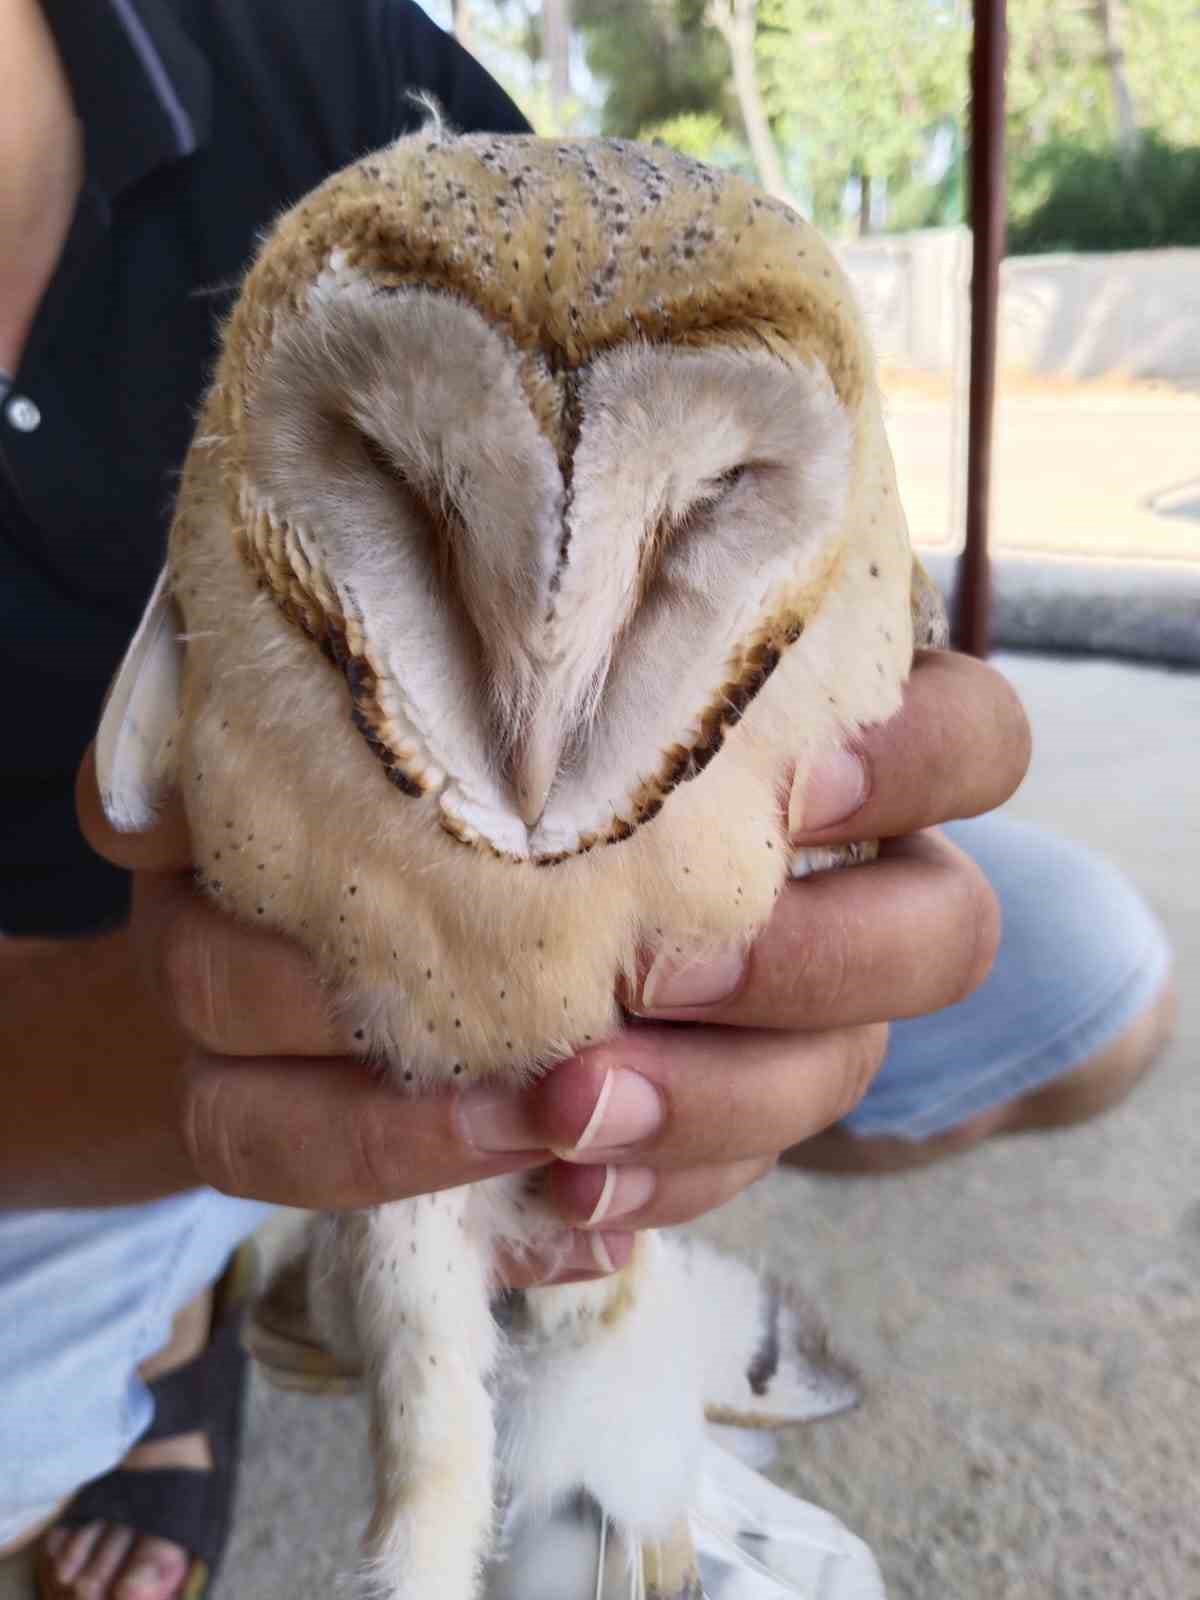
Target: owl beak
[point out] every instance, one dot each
(534, 769)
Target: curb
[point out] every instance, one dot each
(1148, 611)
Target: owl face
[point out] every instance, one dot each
(549, 448)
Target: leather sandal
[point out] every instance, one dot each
(190, 1507)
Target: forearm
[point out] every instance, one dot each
(90, 1078)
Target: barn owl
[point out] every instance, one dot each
(539, 523)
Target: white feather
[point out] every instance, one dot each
(133, 759)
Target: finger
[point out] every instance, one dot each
(640, 1197)
(327, 1135)
(233, 989)
(572, 1258)
(959, 745)
(905, 935)
(166, 847)
(670, 1098)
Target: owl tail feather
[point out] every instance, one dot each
(772, 1362)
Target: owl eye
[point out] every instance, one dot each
(715, 489)
(384, 463)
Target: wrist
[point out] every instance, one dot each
(93, 1069)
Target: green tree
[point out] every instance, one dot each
(860, 89)
(1162, 59)
(657, 60)
(737, 23)
(526, 46)
(1057, 92)
(1089, 83)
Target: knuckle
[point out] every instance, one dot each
(208, 1118)
(375, 1168)
(188, 971)
(813, 974)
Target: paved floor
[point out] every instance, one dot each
(1078, 470)
(1028, 1319)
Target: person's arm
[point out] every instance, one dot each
(90, 1078)
(118, 1052)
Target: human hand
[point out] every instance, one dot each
(784, 1045)
(271, 1103)
(657, 1124)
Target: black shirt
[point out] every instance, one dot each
(202, 120)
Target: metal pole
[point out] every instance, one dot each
(972, 602)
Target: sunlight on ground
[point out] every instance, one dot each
(1108, 468)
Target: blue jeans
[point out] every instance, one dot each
(1081, 956)
(85, 1296)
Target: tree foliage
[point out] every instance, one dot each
(860, 89)
(657, 60)
(1076, 179)
(874, 92)
(1083, 199)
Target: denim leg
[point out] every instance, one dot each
(85, 1297)
(1081, 956)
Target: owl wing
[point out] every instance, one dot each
(133, 742)
(931, 630)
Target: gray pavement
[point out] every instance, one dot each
(1143, 610)
(1095, 527)
(1098, 471)
(1027, 1318)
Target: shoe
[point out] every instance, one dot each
(190, 1507)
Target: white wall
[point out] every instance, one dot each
(1134, 312)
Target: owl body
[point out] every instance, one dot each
(539, 526)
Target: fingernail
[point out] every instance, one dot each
(141, 1575)
(497, 1122)
(73, 1557)
(834, 790)
(600, 1253)
(670, 985)
(625, 1190)
(628, 1109)
(585, 1254)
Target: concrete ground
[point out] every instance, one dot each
(1104, 470)
(1027, 1318)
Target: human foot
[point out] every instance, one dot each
(109, 1561)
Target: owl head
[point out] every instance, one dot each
(554, 449)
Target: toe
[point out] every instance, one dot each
(155, 1571)
(106, 1555)
(73, 1552)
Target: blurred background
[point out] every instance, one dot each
(856, 114)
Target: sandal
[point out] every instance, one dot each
(190, 1507)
